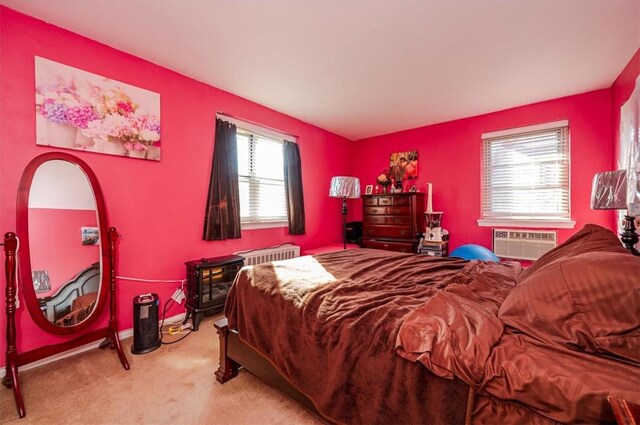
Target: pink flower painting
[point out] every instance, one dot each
(79, 110)
(404, 165)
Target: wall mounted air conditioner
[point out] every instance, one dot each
(523, 244)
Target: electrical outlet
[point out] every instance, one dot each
(178, 296)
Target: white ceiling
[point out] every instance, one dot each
(363, 68)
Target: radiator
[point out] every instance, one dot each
(265, 255)
(522, 244)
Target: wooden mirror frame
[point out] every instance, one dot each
(24, 254)
(108, 239)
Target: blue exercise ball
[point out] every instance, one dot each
(474, 252)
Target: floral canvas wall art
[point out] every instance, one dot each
(76, 109)
(404, 165)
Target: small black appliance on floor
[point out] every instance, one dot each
(146, 336)
(208, 282)
(354, 232)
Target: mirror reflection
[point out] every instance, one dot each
(64, 243)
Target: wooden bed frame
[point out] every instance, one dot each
(59, 304)
(234, 353)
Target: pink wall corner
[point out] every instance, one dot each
(620, 92)
(450, 158)
(157, 207)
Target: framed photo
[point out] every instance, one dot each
(90, 236)
(404, 165)
(368, 190)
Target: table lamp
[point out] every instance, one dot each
(344, 187)
(609, 192)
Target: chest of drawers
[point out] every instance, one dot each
(393, 222)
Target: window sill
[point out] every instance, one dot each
(537, 224)
(263, 225)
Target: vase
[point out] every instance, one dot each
(109, 146)
(83, 141)
(133, 153)
(99, 145)
(399, 187)
(62, 135)
(153, 153)
(115, 148)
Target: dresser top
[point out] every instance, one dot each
(374, 195)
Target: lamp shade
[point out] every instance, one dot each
(609, 190)
(345, 187)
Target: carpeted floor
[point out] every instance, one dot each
(173, 385)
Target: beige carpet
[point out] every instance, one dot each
(173, 385)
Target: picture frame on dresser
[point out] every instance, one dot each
(368, 190)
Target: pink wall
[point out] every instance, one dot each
(450, 155)
(620, 92)
(55, 244)
(157, 207)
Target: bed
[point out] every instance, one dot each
(74, 300)
(369, 336)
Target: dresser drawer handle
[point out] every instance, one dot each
(397, 220)
(403, 232)
(397, 210)
(386, 245)
(385, 201)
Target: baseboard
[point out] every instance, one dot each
(122, 334)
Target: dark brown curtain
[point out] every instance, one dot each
(293, 188)
(222, 215)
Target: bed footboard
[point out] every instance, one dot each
(234, 353)
(228, 368)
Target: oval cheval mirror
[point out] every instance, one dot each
(67, 258)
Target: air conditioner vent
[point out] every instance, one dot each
(523, 244)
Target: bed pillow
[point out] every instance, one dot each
(588, 301)
(591, 238)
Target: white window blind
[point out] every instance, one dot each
(260, 178)
(526, 175)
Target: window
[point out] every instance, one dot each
(260, 179)
(525, 177)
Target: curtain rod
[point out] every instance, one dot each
(256, 124)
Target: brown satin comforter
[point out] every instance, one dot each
(329, 323)
(335, 323)
(517, 379)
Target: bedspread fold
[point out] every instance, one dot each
(454, 332)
